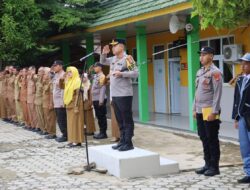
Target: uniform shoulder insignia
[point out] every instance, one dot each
(216, 75)
(102, 80)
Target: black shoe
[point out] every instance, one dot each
(44, 133)
(101, 136)
(61, 139)
(73, 145)
(6, 119)
(212, 172)
(126, 147)
(50, 137)
(245, 179)
(11, 121)
(34, 130)
(117, 146)
(25, 127)
(38, 130)
(201, 170)
(22, 124)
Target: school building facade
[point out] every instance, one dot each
(166, 80)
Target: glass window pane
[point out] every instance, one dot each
(215, 44)
(227, 72)
(227, 41)
(203, 44)
(158, 49)
(175, 52)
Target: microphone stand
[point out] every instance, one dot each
(90, 166)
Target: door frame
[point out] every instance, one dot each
(169, 81)
(166, 88)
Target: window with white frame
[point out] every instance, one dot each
(173, 52)
(217, 44)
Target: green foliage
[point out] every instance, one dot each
(222, 13)
(24, 24)
(20, 23)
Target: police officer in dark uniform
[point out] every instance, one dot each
(99, 99)
(122, 69)
(207, 110)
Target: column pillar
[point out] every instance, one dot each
(193, 65)
(89, 49)
(141, 46)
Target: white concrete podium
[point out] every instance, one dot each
(133, 163)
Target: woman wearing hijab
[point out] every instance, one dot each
(74, 106)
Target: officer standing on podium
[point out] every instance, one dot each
(121, 87)
(207, 110)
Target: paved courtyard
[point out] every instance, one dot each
(28, 161)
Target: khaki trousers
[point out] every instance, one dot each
(40, 118)
(32, 115)
(26, 117)
(19, 111)
(50, 120)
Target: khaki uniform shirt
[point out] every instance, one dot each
(31, 89)
(23, 90)
(208, 89)
(5, 85)
(39, 92)
(11, 87)
(1, 85)
(17, 88)
(47, 94)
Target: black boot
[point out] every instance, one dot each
(127, 145)
(213, 169)
(203, 169)
(212, 172)
(245, 179)
(61, 139)
(121, 142)
(100, 136)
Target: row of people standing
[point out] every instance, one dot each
(36, 100)
(22, 104)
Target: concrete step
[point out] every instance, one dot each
(134, 163)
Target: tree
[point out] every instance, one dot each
(68, 15)
(222, 13)
(25, 24)
(20, 24)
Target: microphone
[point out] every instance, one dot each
(85, 57)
